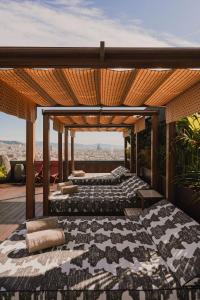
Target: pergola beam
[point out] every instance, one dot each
(117, 111)
(98, 126)
(66, 158)
(60, 157)
(46, 165)
(154, 152)
(137, 167)
(125, 152)
(30, 170)
(170, 160)
(72, 152)
(99, 57)
(132, 152)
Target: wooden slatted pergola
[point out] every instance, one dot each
(90, 118)
(32, 77)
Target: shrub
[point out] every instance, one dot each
(3, 173)
(187, 148)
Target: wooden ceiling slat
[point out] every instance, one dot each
(105, 120)
(84, 119)
(23, 108)
(119, 120)
(185, 104)
(125, 119)
(145, 83)
(113, 84)
(82, 87)
(92, 120)
(128, 86)
(91, 84)
(100, 129)
(67, 120)
(64, 84)
(82, 83)
(50, 84)
(10, 77)
(130, 120)
(174, 85)
(98, 86)
(77, 120)
(98, 119)
(34, 85)
(71, 82)
(111, 120)
(104, 87)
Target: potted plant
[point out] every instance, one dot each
(187, 180)
(3, 174)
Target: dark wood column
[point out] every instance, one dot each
(30, 170)
(137, 167)
(170, 160)
(72, 151)
(60, 157)
(132, 152)
(46, 165)
(66, 158)
(125, 153)
(154, 151)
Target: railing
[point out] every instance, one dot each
(95, 166)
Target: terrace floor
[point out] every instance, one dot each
(12, 207)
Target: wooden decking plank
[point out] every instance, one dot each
(12, 210)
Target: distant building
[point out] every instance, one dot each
(18, 152)
(99, 147)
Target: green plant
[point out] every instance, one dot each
(3, 173)
(187, 149)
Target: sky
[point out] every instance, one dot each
(144, 23)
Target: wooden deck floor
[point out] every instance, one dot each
(12, 208)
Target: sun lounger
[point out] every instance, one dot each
(116, 176)
(153, 256)
(96, 199)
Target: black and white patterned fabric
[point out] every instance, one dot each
(119, 171)
(177, 238)
(94, 199)
(105, 258)
(116, 176)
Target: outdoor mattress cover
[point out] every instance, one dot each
(115, 177)
(95, 199)
(109, 258)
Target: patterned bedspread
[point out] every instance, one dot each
(115, 177)
(96, 199)
(152, 256)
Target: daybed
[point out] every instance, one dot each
(114, 177)
(95, 199)
(155, 256)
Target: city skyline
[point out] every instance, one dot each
(17, 151)
(15, 128)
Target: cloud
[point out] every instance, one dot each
(72, 23)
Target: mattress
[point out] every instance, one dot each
(115, 177)
(96, 199)
(108, 258)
